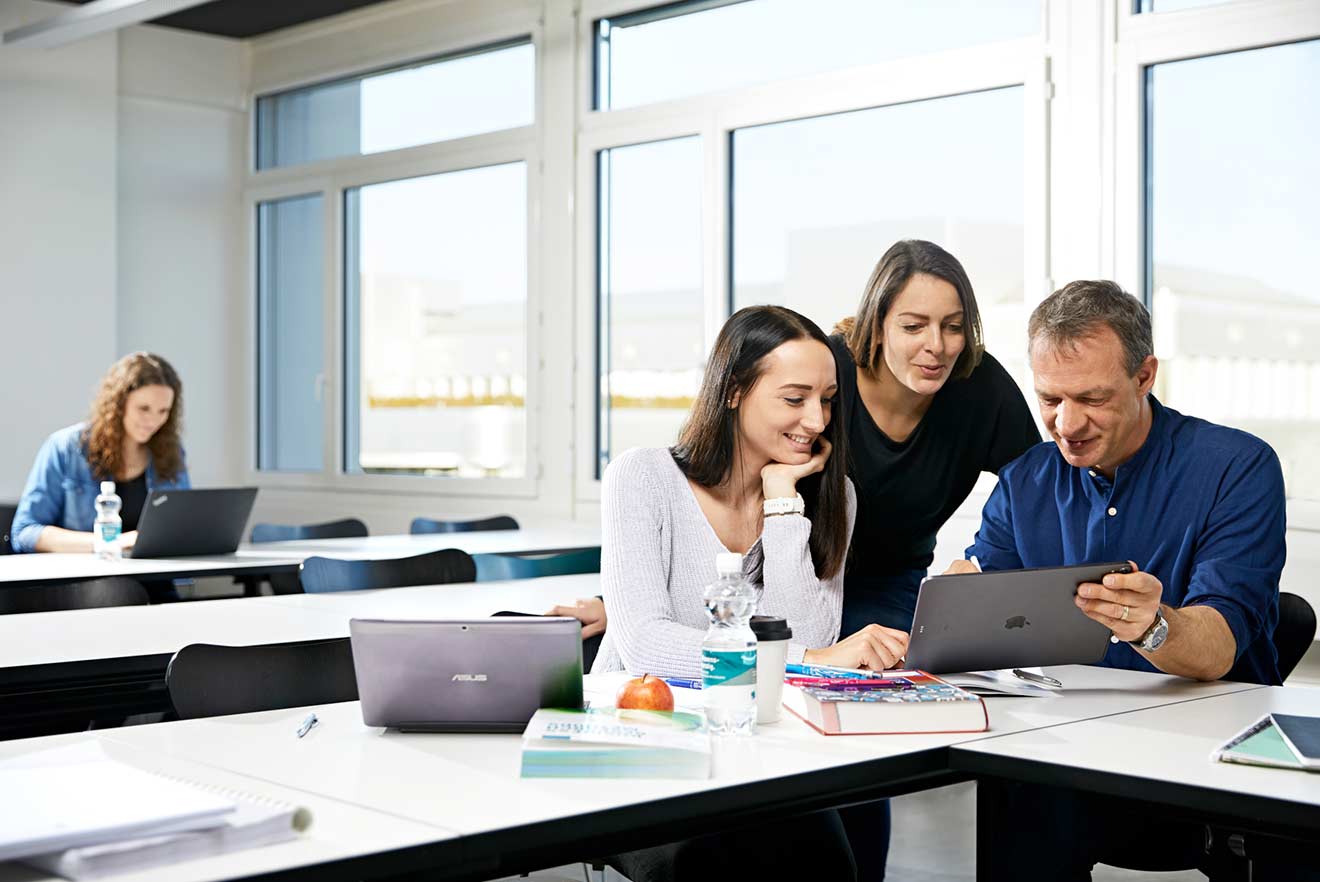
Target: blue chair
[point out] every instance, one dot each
(427, 525)
(500, 567)
(324, 574)
(349, 528)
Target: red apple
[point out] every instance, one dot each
(645, 693)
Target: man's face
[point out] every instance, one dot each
(1092, 408)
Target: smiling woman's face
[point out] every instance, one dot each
(145, 411)
(923, 334)
(789, 405)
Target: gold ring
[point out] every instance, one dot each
(1126, 610)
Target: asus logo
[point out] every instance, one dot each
(159, 500)
(468, 678)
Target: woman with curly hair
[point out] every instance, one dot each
(131, 438)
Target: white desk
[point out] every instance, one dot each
(340, 832)
(80, 664)
(269, 557)
(1173, 764)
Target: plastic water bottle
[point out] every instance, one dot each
(109, 526)
(728, 653)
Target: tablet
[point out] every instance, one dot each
(1007, 619)
(1302, 735)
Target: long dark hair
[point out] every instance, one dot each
(708, 444)
(904, 259)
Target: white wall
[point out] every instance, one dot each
(57, 234)
(120, 174)
(181, 282)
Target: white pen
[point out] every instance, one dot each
(307, 725)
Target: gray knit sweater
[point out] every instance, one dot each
(658, 555)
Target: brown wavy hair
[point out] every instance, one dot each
(104, 435)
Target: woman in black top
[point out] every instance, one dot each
(927, 410)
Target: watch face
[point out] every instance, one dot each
(1157, 635)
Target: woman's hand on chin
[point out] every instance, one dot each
(875, 647)
(779, 479)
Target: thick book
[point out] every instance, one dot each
(612, 743)
(255, 821)
(912, 702)
(77, 795)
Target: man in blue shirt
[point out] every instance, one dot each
(1197, 507)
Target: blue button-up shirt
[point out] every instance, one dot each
(61, 490)
(1200, 507)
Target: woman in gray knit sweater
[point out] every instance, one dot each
(762, 428)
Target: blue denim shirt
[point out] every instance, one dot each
(1200, 507)
(61, 490)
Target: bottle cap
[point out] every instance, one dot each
(771, 628)
(728, 563)
(107, 487)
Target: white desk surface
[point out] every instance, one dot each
(338, 830)
(1172, 744)
(126, 631)
(403, 772)
(530, 539)
(69, 567)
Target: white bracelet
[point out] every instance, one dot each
(785, 505)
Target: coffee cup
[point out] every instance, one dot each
(772, 636)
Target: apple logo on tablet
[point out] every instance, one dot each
(1016, 622)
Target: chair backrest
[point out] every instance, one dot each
(207, 681)
(427, 525)
(1294, 633)
(322, 574)
(110, 591)
(590, 645)
(497, 567)
(348, 528)
(7, 512)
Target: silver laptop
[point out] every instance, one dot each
(1006, 619)
(465, 675)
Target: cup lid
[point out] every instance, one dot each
(771, 628)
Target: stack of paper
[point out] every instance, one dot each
(77, 812)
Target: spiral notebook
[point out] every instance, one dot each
(79, 813)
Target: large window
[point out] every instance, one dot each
(817, 201)
(290, 334)
(477, 92)
(744, 43)
(436, 324)
(652, 312)
(1233, 173)
(429, 192)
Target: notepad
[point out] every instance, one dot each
(77, 795)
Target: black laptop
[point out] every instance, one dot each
(178, 523)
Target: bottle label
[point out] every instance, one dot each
(735, 667)
(109, 532)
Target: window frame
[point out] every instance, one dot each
(331, 179)
(715, 116)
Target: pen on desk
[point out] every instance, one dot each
(307, 725)
(683, 682)
(1036, 678)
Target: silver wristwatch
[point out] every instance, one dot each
(1155, 635)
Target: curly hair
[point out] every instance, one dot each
(104, 435)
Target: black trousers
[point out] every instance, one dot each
(1040, 832)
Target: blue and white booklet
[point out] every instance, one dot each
(613, 743)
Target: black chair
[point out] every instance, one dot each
(1294, 633)
(7, 513)
(110, 591)
(427, 525)
(322, 574)
(348, 528)
(204, 680)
